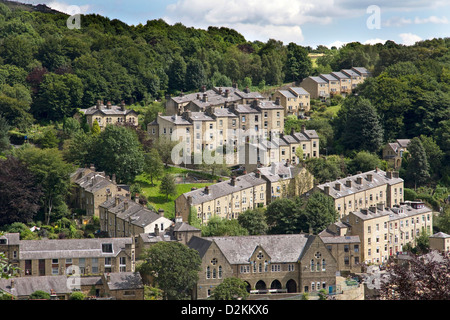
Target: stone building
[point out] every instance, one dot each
(109, 114)
(363, 190)
(270, 263)
(64, 256)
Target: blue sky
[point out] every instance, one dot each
(305, 22)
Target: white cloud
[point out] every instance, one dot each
(409, 38)
(256, 19)
(374, 41)
(68, 8)
(432, 19)
(397, 22)
(337, 44)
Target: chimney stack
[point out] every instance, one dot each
(206, 189)
(326, 189)
(369, 177)
(161, 212)
(156, 230)
(337, 186)
(233, 181)
(348, 183)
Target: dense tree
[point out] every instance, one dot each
(358, 127)
(223, 227)
(168, 186)
(4, 134)
(320, 212)
(254, 221)
(417, 167)
(299, 65)
(19, 192)
(284, 216)
(59, 96)
(153, 165)
(117, 151)
(51, 173)
(365, 161)
(174, 268)
(230, 289)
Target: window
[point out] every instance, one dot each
(107, 248)
(208, 272)
(94, 265)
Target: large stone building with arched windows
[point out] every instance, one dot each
(293, 263)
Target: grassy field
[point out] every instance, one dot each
(158, 200)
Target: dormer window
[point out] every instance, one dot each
(107, 248)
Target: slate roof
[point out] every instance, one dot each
(339, 239)
(299, 90)
(70, 248)
(339, 75)
(379, 178)
(317, 79)
(328, 77)
(440, 235)
(269, 105)
(223, 188)
(279, 171)
(361, 71)
(115, 110)
(124, 280)
(239, 249)
(286, 93)
(136, 213)
(25, 286)
(350, 73)
(94, 181)
(400, 212)
(11, 238)
(176, 119)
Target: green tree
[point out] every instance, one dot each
(358, 127)
(230, 289)
(174, 268)
(165, 147)
(299, 65)
(195, 75)
(95, 128)
(153, 165)
(320, 212)
(364, 161)
(49, 139)
(59, 96)
(51, 173)
(223, 227)
(284, 216)
(168, 186)
(39, 295)
(77, 296)
(417, 170)
(4, 134)
(254, 220)
(177, 73)
(118, 151)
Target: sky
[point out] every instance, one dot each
(305, 22)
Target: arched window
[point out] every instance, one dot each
(323, 265)
(312, 265)
(214, 273)
(208, 273)
(220, 272)
(260, 267)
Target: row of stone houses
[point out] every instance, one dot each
(228, 199)
(364, 190)
(109, 114)
(111, 286)
(342, 82)
(91, 188)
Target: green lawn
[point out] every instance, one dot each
(159, 200)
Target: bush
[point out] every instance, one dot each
(77, 296)
(39, 294)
